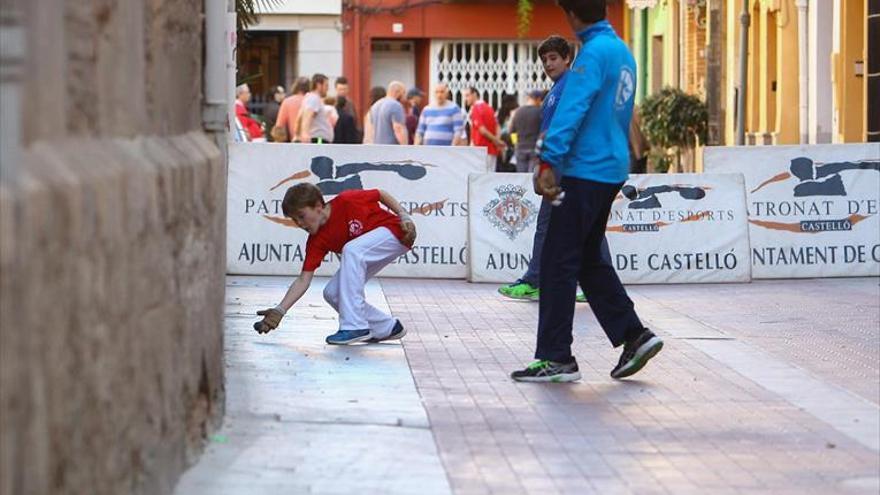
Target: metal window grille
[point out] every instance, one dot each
(494, 68)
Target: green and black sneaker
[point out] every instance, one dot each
(548, 371)
(636, 354)
(518, 290)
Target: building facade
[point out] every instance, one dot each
(295, 37)
(808, 65)
(809, 58)
(468, 43)
(418, 43)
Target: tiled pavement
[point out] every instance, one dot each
(687, 424)
(305, 417)
(769, 387)
(829, 327)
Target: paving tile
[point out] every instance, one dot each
(687, 424)
(722, 410)
(305, 417)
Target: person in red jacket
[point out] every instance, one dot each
(367, 236)
(251, 126)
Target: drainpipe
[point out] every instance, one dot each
(682, 47)
(231, 67)
(803, 72)
(743, 74)
(12, 58)
(643, 54)
(216, 104)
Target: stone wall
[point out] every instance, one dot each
(112, 235)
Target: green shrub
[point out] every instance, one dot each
(673, 121)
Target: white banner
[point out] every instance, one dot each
(681, 228)
(813, 210)
(504, 212)
(429, 181)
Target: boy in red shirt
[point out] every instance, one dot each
(368, 238)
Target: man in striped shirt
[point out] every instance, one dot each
(441, 124)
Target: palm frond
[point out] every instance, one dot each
(246, 11)
(248, 78)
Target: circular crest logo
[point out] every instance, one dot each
(510, 212)
(626, 86)
(355, 228)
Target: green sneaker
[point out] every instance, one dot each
(548, 371)
(580, 297)
(518, 290)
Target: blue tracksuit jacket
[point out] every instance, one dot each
(588, 137)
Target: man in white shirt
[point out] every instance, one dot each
(315, 125)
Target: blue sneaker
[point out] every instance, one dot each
(396, 333)
(343, 337)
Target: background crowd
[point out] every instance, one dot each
(398, 115)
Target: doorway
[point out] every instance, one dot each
(263, 63)
(393, 60)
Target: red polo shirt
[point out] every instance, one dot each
(482, 115)
(352, 213)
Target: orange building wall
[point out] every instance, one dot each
(366, 20)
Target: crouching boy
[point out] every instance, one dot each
(367, 236)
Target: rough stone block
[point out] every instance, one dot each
(112, 327)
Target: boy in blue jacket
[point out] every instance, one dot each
(555, 53)
(587, 145)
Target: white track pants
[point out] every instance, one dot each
(362, 258)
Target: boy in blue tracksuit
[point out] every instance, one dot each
(587, 145)
(555, 53)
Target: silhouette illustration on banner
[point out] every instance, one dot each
(334, 179)
(647, 198)
(816, 179)
(819, 179)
